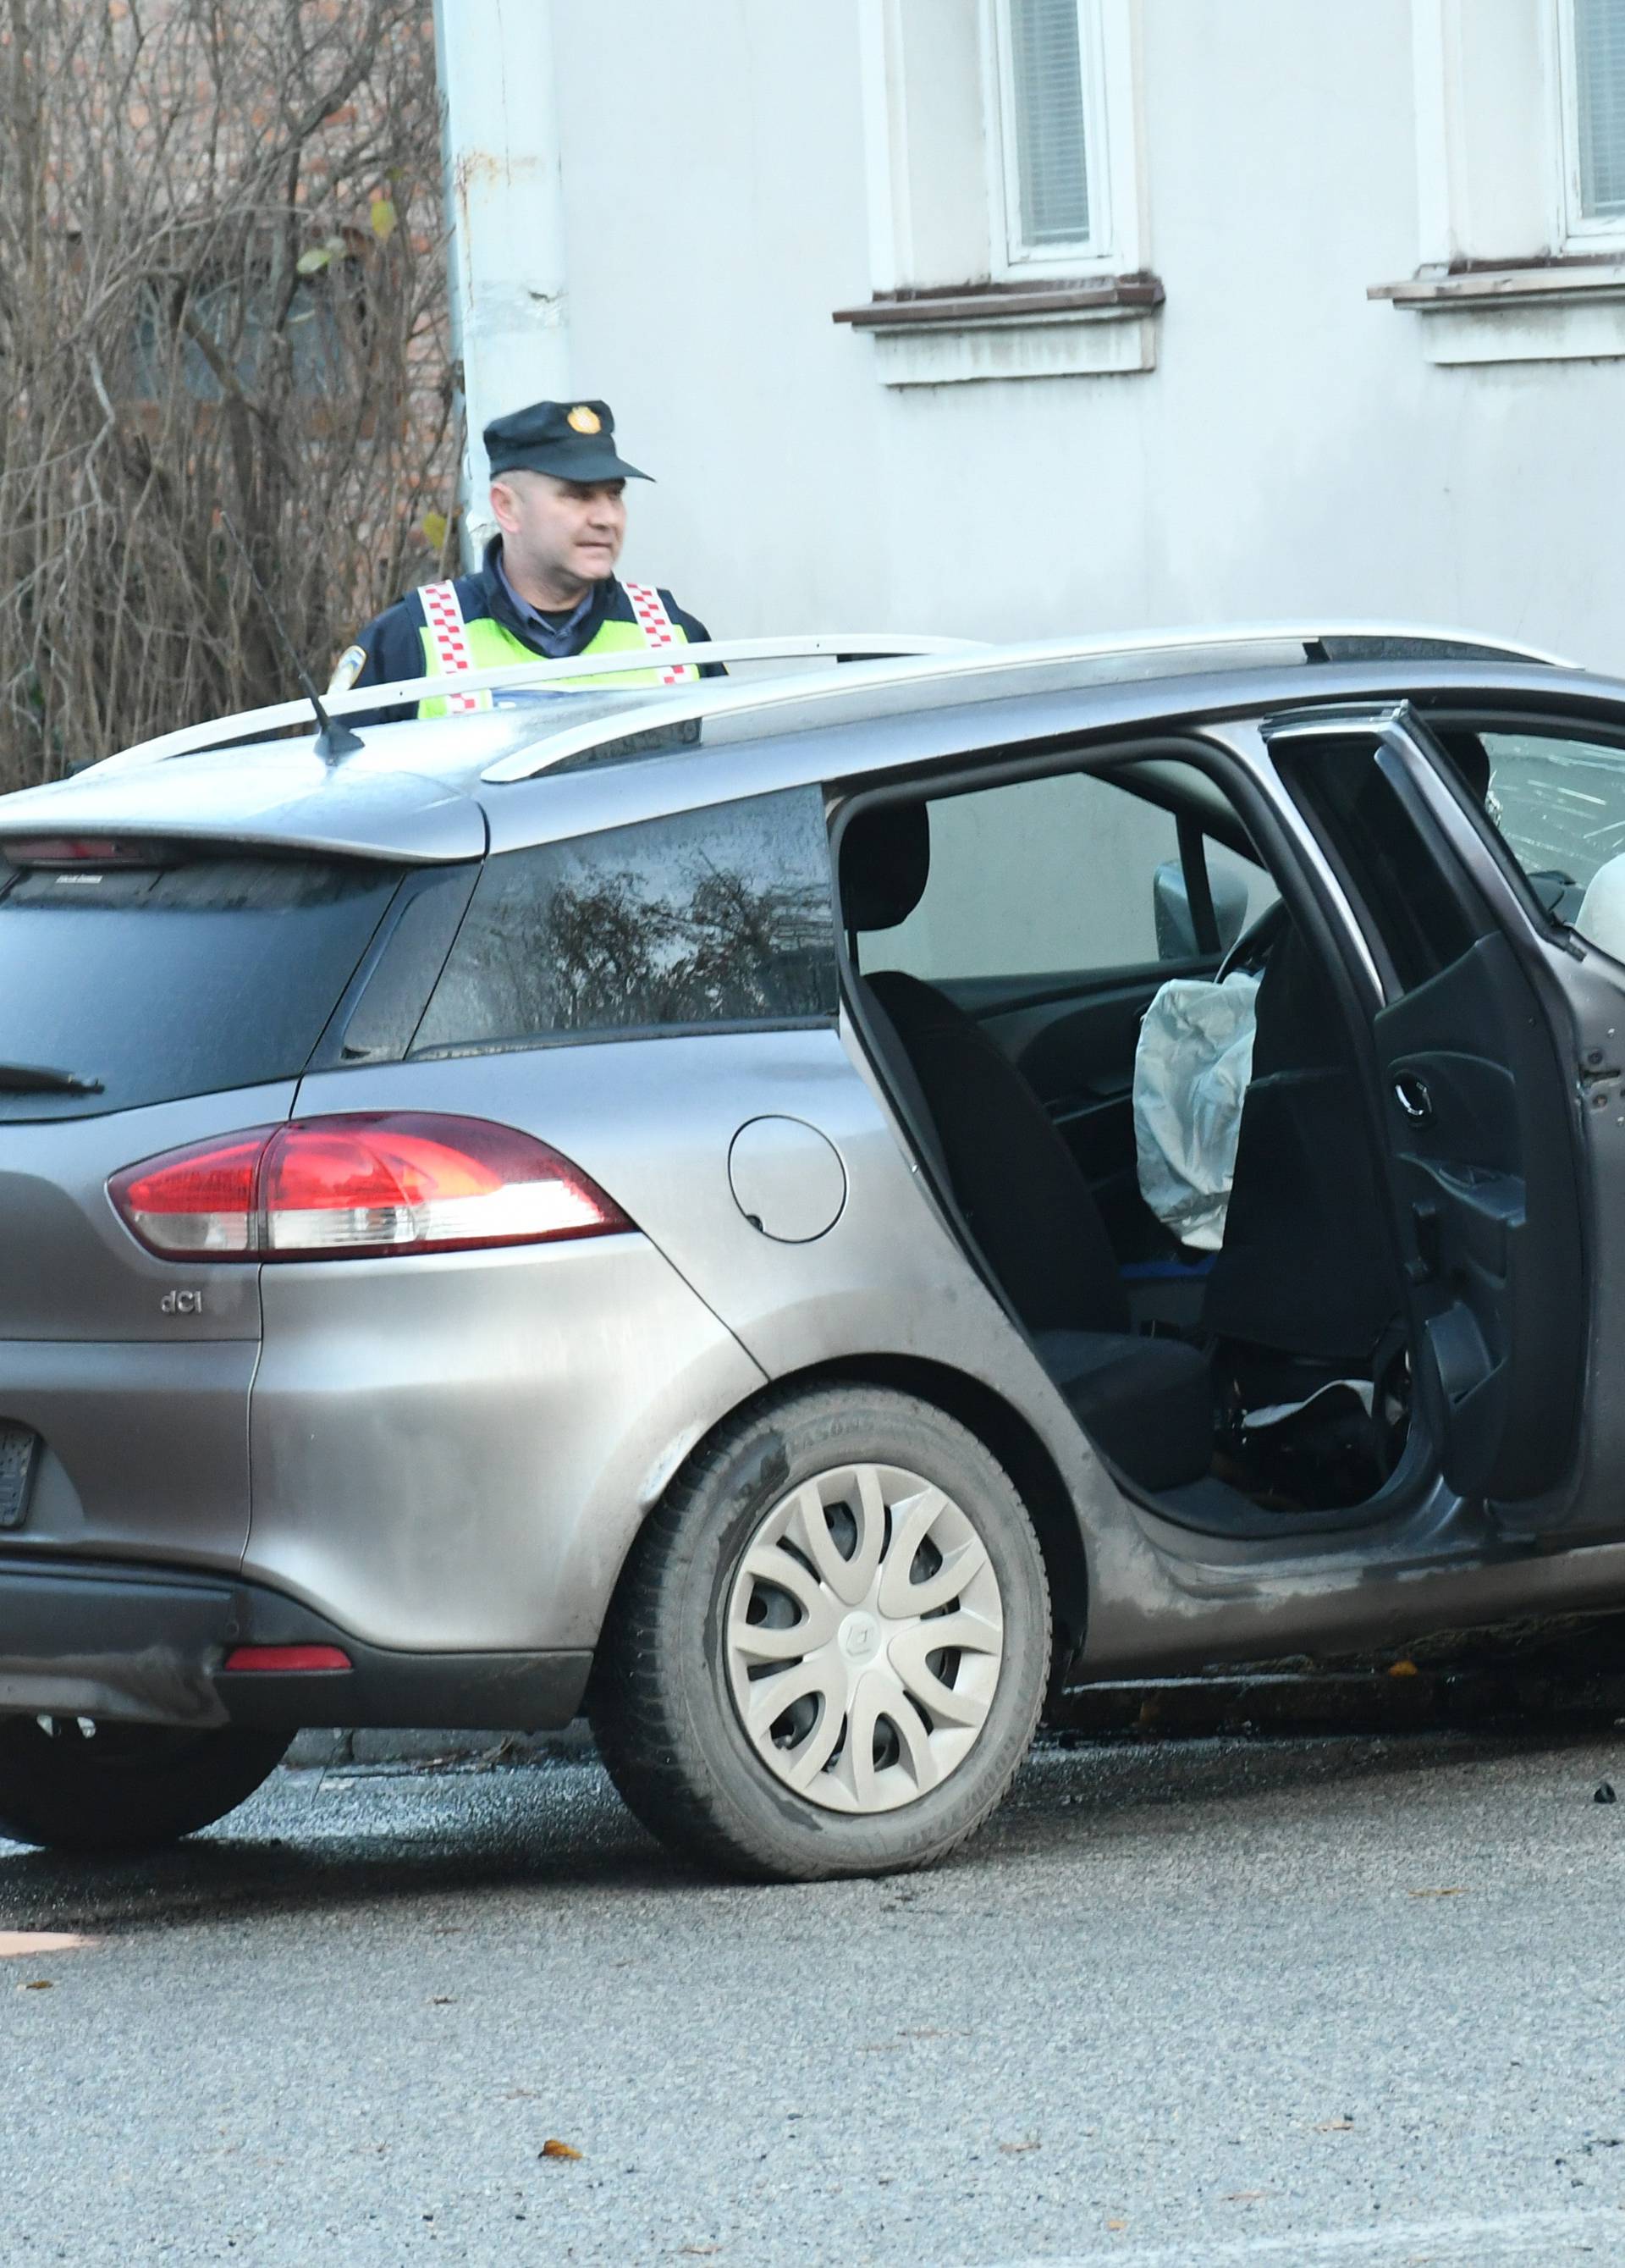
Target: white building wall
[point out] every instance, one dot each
(1294, 451)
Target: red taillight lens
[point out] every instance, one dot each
(200, 1202)
(360, 1185)
(82, 849)
(302, 1659)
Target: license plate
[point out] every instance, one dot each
(17, 1448)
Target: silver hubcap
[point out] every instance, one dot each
(864, 1637)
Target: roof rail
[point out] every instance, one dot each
(970, 662)
(884, 658)
(509, 676)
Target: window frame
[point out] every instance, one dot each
(1579, 233)
(1010, 258)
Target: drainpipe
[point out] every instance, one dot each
(504, 209)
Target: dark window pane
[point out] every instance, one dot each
(716, 917)
(1391, 868)
(165, 982)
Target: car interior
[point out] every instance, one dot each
(1005, 943)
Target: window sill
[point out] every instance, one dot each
(1091, 328)
(1530, 311)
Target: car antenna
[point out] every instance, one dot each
(332, 740)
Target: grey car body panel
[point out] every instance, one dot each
(891, 1278)
(142, 1408)
(456, 1452)
(146, 1447)
(280, 795)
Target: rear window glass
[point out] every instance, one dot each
(715, 916)
(160, 983)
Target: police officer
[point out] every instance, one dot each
(547, 588)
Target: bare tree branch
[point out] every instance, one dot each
(198, 316)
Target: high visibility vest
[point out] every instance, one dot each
(451, 644)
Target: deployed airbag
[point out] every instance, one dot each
(1191, 1070)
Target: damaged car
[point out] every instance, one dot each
(801, 1216)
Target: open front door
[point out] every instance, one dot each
(1479, 1099)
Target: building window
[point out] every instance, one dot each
(1047, 132)
(1592, 69)
(1006, 204)
(1521, 151)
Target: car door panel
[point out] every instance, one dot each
(1478, 1114)
(1482, 1161)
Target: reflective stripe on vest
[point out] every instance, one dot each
(451, 644)
(445, 635)
(657, 626)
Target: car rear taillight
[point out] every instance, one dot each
(84, 850)
(359, 1185)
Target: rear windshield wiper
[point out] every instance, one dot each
(40, 1078)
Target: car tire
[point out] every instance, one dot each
(679, 1704)
(123, 1787)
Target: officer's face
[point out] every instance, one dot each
(562, 532)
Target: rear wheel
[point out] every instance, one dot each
(828, 1650)
(79, 1784)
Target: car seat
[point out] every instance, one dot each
(1303, 1269)
(1147, 1402)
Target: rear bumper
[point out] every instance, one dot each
(148, 1646)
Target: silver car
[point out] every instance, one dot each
(630, 1200)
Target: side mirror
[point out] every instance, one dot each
(1176, 929)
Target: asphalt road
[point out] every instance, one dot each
(1343, 2001)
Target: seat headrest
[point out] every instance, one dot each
(886, 861)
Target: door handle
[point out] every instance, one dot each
(1410, 1091)
(1424, 1263)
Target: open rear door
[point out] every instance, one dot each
(1483, 1113)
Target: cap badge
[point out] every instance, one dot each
(583, 420)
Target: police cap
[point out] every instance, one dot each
(572, 440)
